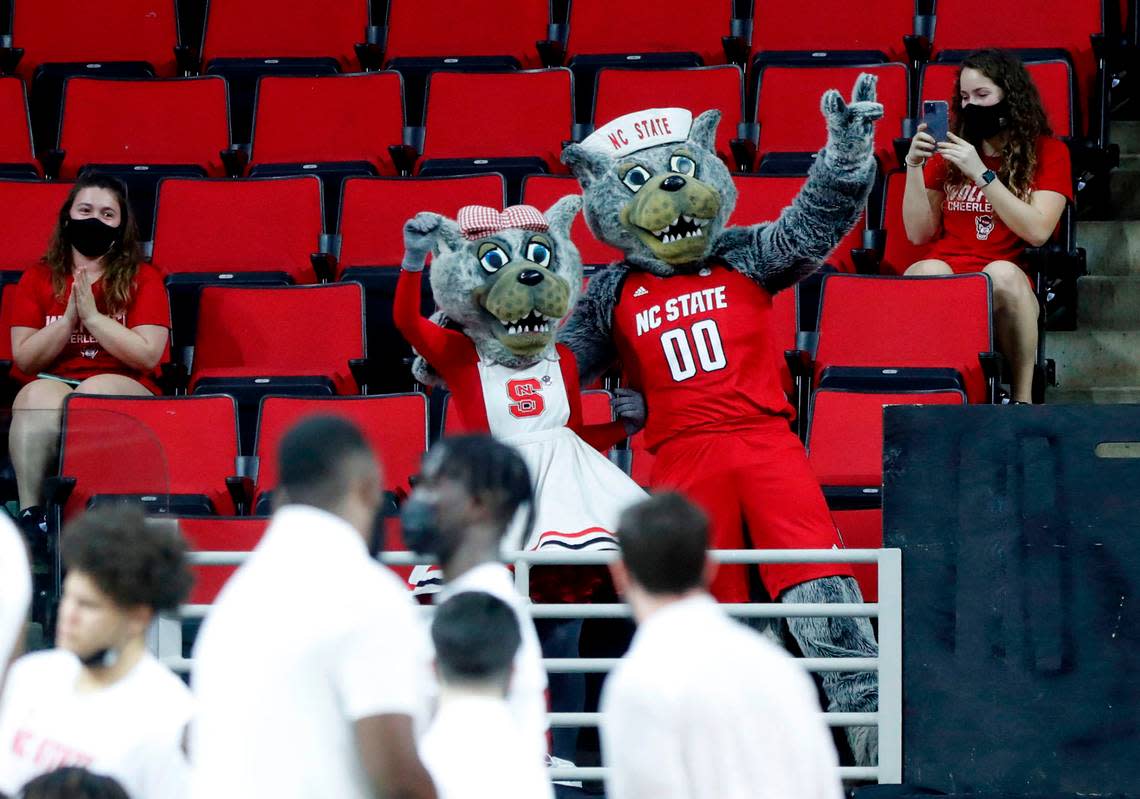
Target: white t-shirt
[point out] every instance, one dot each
(701, 707)
(131, 730)
(308, 636)
(527, 693)
(475, 749)
(15, 590)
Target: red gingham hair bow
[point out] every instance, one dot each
(480, 221)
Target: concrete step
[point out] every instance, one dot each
(1124, 183)
(1109, 303)
(1126, 133)
(1094, 396)
(1113, 247)
(1095, 358)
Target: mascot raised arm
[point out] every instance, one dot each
(685, 314)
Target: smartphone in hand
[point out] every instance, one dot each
(936, 115)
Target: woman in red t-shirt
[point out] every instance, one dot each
(90, 317)
(997, 185)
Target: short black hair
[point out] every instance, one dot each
(72, 783)
(664, 542)
(132, 559)
(312, 457)
(476, 636)
(487, 467)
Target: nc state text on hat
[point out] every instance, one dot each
(644, 128)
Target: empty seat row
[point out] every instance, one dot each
(359, 119)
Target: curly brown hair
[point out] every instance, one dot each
(120, 265)
(132, 559)
(1027, 118)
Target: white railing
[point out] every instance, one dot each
(166, 640)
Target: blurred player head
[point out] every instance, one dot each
(122, 569)
(664, 548)
(325, 462)
(468, 492)
(476, 636)
(72, 783)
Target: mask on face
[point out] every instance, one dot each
(984, 121)
(91, 237)
(419, 522)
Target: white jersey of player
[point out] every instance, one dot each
(521, 401)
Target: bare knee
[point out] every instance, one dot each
(930, 266)
(41, 395)
(114, 385)
(1011, 287)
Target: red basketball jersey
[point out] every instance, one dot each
(700, 348)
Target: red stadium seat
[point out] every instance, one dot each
(331, 126)
(16, 156)
(898, 252)
(787, 106)
(285, 29)
(373, 213)
(160, 128)
(26, 235)
(306, 124)
(532, 115)
(159, 122)
(173, 453)
(467, 34)
(396, 426)
(245, 39)
(374, 210)
(781, 31)
(921, 332)
(862, 528)
(761, 198)
(623, 27)
(845, 432)
(65, 38)
(1054, 79)
(623, 91)
(542, 191)
(1021, 25)
(79, 32)
(218, 534)
(297, 340)
(225, 232)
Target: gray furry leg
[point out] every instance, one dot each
(847, 692)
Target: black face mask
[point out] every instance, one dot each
(984, 121)
(91, 237)
(419, 522)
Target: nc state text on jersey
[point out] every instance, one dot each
(691, 304)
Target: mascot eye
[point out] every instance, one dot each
(683, 165)
(538, 252)
(636, 178)
(494, 259)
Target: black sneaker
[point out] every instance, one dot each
(32, 522)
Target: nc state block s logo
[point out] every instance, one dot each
(526, 398)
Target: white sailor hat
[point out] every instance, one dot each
(639, 130)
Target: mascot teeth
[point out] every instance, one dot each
(533, 322)
(683, 227)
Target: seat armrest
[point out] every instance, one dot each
(235, 159)
(188, 59)
(403, 157)
(241, 492)
(370, 52)
(362, 372)
(52, 160)
(324, 265)
(9, 56)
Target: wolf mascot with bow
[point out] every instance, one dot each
(686, 315)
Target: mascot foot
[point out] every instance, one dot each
(847, 692)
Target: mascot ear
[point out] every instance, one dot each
(561, 214)
(703, 132)
(449, 238)
(586, 165)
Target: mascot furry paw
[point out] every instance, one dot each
(686, 315)
(505, 281)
